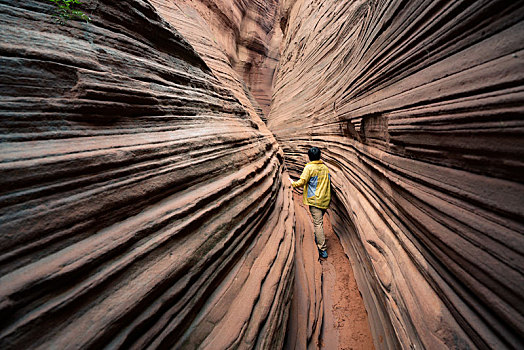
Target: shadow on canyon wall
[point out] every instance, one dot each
(142, 157)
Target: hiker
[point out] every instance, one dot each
(317, 194)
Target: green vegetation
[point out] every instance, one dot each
(66, 10)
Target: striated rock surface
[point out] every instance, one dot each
(141, 204)
(141, 201)
(199, 32)
(243, 35)
(306, 315)
(327, 311)
(418, 108)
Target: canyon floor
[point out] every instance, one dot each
(345, 322)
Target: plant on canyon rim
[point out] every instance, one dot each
(66, 10)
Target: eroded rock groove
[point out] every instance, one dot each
(142, 200)
(417, 107)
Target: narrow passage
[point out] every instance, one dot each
(343, 315)
(346, 318)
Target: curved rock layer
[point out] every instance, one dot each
(199, 32)
(141, 204)
(244, 33)
(327, 311)
(417, 107)
(306, 314)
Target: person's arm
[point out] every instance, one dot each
(304, 178)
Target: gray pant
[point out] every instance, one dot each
(318, 223)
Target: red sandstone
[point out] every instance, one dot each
(142, 158)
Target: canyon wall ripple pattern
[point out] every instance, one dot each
(141, 203)
(417, 106)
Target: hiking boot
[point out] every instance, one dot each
(323, 253)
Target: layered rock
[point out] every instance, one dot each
(199, 32)
(141, 201)
(327, 311)
(416, 106)
(244, 34)
(306, 318)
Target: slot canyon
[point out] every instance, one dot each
(145, 155)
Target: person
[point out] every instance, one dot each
(316, 182)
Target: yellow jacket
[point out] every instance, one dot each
(317, 185)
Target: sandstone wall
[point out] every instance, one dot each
(306, 314)
(141, 201)
(417, 107)
(243, 32)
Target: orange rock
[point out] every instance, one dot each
(417, 109)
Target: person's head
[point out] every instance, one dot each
(313, 153)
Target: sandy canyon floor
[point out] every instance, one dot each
(345, 324)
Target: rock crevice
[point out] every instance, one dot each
(142, 200)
